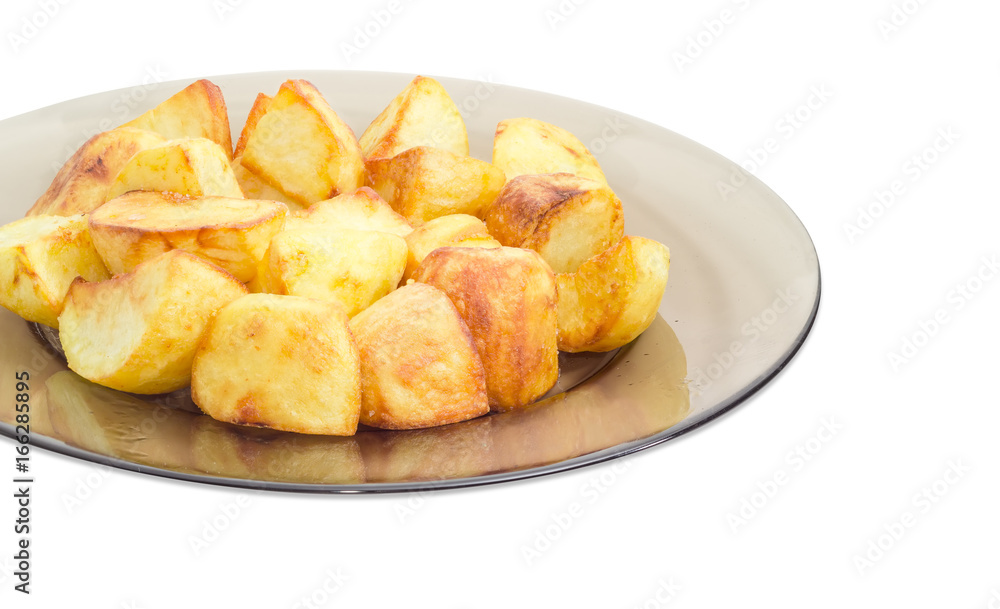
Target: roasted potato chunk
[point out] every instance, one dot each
(421, 115)
(302, 147)
(354, 268)
(281, 362)
(198, 110)
(424, 183)
(232, 233)
(362, 209)
(81, 186)
(507, 297)
(457, 230)
(419, 366)
(565, 218)
(40, 256)
(528, 146)
(258, 109)
(613, 297)
(187, 166)
(254, 187)
(138, 331)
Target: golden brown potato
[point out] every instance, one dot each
(362, 209)
(528, 146)
(281, 362)
(507, 297)
(40, 256)
(565, 218)
(138, 331)
(187, 166)
(352, 267)
(421, 115)
(254, 187)
(302, 147)
(456, 230)
(232, 233)
(81, 186)
(613, 297)
(258, 109)
(198, 110)
(424, 183)
(419, 366)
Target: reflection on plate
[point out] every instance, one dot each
(742, 295)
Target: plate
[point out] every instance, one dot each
(743, 292)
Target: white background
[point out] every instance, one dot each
(666, 523)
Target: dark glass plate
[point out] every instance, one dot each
(743, 293)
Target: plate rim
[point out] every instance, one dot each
(681, 428)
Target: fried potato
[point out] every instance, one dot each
(302, 147)
(362, 209)
(138, 331)
(232, 233)
(613, 297)
(254, 187)
(40, 256)
(352, 267)
(198, 110)
(507, 297)
(424, 183)
(419, 366)
(565, 218)
(421, 115)
(81, 186)
(281, 362)
(456, 230)
(258, 109)
(528, 146)
(187, 166)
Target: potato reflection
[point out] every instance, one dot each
(639, 394)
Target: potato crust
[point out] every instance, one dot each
(613, 297)
(419, 365)
(232, 233)
(138, 331)
(507, 298)
(422, 114)
(565, 218)
(298, 367)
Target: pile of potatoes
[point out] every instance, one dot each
(308, 281)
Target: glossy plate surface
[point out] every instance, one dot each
(742, 295)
